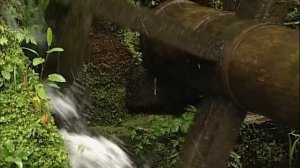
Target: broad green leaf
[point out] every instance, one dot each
(49, 36)
(31, 50)
(54, 85)
(38, 61)
(5, 74)
(3, 40)
(41, 91)
(56, 78)
(18, 162)
(57, 49)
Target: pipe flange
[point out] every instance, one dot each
(229, 51)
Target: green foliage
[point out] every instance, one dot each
(28, 136)
(262, 145)
(28, 13)
(165, 136)
(293, 16)
(131, 40)
(108, 95)
(235, 160)
(52, 78)
(293, 146)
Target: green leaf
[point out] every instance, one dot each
(38, 61)
(3, 40)
(56, 78)
(57, 49)
(49, 36)
(41, 91)
(5, 74)
(54, 85)
(31, 50)
(18, 162)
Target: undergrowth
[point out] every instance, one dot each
(28, 136)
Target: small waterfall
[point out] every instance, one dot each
(85, 151)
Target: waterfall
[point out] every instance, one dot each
(85, 150)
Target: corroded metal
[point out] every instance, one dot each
(260, 67)
(265, 77)
(212, 135)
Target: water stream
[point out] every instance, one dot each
(85, 150)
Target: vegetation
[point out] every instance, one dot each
(131, 40)
(27, 128)
(107, 94)
(163, 136)
(28, 135)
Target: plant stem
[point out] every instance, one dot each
(43, 66)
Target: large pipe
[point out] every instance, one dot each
(259, 69)
(256, 65)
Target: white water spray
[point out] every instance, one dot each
(85, 151)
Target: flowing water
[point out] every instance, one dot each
(85, 150)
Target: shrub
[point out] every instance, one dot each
(28, 136)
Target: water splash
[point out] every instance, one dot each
(85, 151)
(94, 152)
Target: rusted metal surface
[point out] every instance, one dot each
(160, 27)
(194, 39)
(265, 77)
(260, 67)
(212, 136)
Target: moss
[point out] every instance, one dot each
(110, 73)
(107, 96)
(28, 135)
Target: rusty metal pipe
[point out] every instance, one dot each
(260, 62)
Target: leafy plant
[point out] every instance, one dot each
(52, 78)
(293, 146)
(29, 137)
(27, 14)
(10, 154)
(235, 160)
(132, 42)
(165, 133)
